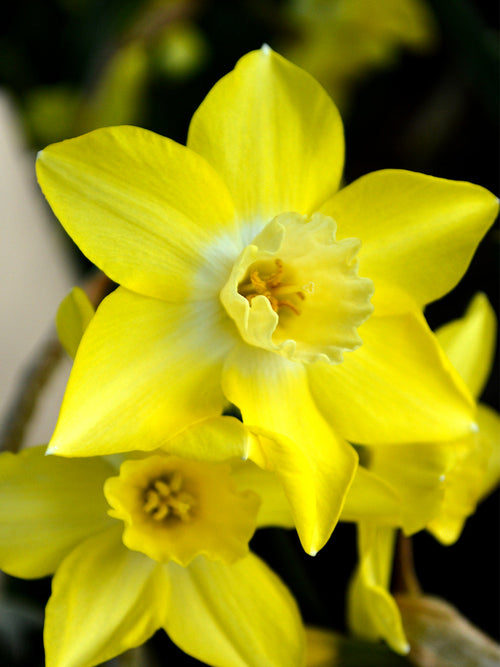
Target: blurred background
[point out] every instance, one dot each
(417, 83)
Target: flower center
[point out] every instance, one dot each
(280, 293)
(295, 290)
(164, 499)
(176, 509)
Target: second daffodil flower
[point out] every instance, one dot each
(242, 280)
(156, 542)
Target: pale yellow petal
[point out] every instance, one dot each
(274, 509)
(215, 439)
(105, 600)
(273, 134)
(144, 209)
(372, 498)
(418, 474)
(315, 466)
(489, 430)
(234, 615)
(469, 343)
(372, 611)
(397, 387)
(145, 369)
(475, 474)
(417, 231)
(48, 506)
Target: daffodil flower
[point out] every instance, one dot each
(242, 281)
(160, 542)
(438, 485)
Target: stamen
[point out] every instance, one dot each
(165, 499)
(152, 501)
(272, 288)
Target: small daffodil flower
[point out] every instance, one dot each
(158, 542)
(246, 278)
(470, 343)
(440, 484)
(437, 485)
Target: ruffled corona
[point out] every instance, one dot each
(176, 509)
(295, 290)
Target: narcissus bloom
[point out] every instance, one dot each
(242, 281)
(438, 485)
(161, 542)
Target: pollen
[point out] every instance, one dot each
(165, 499)
(274, 287)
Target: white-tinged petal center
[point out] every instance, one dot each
(295, 290)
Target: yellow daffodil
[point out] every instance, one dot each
(160, 542)
(242, 281)
(438, 485)
(470, 345)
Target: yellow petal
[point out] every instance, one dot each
(489, 430)
(144, 370)
(475, 473)
(48, 506)
(315, 466)
(372, 611)
(105, 600)
(372, 498)
(418, 474)
(461, 494)
(234, 615)
(145, 210)
(274, 508)
(273, 134)
(469, 343)
(73, 316)
(417, 231)
(398, 387)
(216, 439)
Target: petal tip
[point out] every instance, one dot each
(405, 648)
(266, 49)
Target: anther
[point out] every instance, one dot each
(272, 288)
(164, 499)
